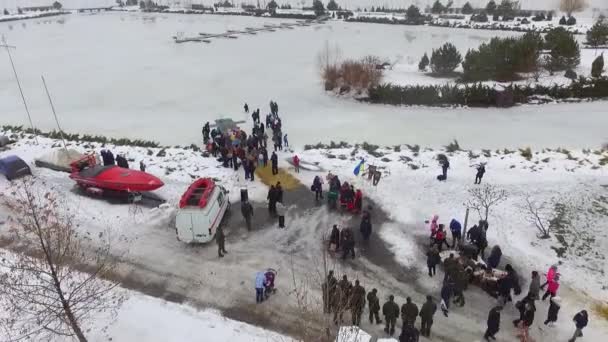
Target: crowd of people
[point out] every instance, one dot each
(235, 148)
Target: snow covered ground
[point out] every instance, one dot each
(139, 82)
(28, 15)
(410, 193)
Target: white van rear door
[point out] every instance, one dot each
(184, 223)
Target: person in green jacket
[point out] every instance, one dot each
(390, 310)
(374, 306)
(426, 316)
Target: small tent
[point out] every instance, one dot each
(13, 167)
(59, 159)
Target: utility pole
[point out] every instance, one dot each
(54, 113)
(10, 57)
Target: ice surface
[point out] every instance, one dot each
(121, 74)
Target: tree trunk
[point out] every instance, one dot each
(487, 212)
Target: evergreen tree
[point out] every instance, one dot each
(272, 6)
(57, 5)
(19, 10)
(437, 7)
(598, 66)
(564, 49)
(318, 7)
(424, 62)
(6, 12)
(445, 59)
(413, 12)
(467, 8)
(571, 21)
(562, 21)
(332, 5)
(491, 7)
(598, 34)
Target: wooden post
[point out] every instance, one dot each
(466, 219)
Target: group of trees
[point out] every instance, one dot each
(503, 59)
(438, 7)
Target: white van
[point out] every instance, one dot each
(201, 210)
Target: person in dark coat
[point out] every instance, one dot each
(104, 157)
(274, 160)
(409, 312)
(473, 234)
(460, 283)
(521, 307)
(366, 227)
(494, 258)
(220, 238)
(481, 170)
(409, 333)
(272, 200)
(265, 157)
(482, 243)
(554, 306)
(534, 289)
(246, 107)
(347, 242)
(142, 166)
(334, 237)
(328, 288)
(357, 303)
(581, 320)
(426, 316)
(122, 162)
(374, 306)
(528, 319)
(343, 298)
(317, 187)
(493, 323)
(432, 259)
(390, 310)
(446, 293)
(279, 189)
(445, 165)
(247, 211)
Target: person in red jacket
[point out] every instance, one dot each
(552, 287)
(440, 238)
(296, 163)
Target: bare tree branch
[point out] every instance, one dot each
(484, 198)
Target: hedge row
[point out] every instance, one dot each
(480, 95)
(84, 137)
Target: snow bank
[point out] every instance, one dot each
(352, 334)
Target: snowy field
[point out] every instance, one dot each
(410, 194)
(121, 74)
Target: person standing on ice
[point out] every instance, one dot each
(279, 192)
(446, 293)
(374, 306)
(334, 238)
(220, 238)
(481, 170)
(281, 209)
(432, 259)
(456, 230)
(409, 312)
(272, 200)
(347, 243)
(390, 310)
(366, 227)
(581, 320)
(296, 163)
(426, 316)
(357, 303)
(246, 107)
(260, 279)
(550, 275)
(274, 160)
(317, 187)
(247, 211)
(534, 289)
(493, 323)
(552, 287)
(285, 141)
(554, 306)
(142, 166)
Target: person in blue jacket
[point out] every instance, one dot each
(456, 229)
(260, 278)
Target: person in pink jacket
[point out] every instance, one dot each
(434, 226)
(552, 287)
(550, 275)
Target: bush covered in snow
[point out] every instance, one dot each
(598, 34)
(564, 50)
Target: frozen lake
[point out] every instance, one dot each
(121, 74)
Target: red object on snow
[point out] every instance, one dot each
(296, 161)
(88, 174)
(198, 193)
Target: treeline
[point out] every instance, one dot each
(480, 95)
(81, 137)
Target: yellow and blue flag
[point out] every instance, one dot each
(359, 168)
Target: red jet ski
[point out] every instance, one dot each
(97, 178)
